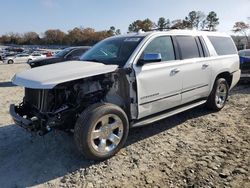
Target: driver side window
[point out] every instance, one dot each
(162, 45)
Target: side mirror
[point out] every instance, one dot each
(149, 58)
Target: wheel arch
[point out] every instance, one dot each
(227, 76)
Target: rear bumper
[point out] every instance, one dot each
(236, 78)
(18, 119)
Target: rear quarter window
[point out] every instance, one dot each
(223, 45)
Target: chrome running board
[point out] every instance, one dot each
(167, 114)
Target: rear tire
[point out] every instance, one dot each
(101, 131)
(10, 61)
(218, 96)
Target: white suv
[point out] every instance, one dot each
(127, 81)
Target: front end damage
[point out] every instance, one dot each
(43, 110)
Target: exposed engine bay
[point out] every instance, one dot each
(59, 108)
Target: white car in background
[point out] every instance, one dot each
(19, 58)
(35, 56)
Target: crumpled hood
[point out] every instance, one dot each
(48, 76)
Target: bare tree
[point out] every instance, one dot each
(242, 27)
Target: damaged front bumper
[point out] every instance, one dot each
(25, 120)
(19, 119)
(34, 121)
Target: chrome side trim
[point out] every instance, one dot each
(191, 89)
(175, 94)
(167, 114)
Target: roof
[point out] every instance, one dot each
(176, 32)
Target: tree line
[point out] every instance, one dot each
(76, 36)
(88, 36)
(194, 20)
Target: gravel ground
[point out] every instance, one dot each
(197, 148)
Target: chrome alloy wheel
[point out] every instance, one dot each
(106, 133)
(221, 95)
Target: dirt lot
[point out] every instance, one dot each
(196, 148)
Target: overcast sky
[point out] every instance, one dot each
(40, 15)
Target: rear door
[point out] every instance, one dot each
(159, 84)
(18, 58)
(196, 69)
(23, 58)
(26, 58)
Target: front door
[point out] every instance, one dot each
(159, 84)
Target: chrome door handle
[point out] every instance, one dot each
(174, 71)
(204, 66)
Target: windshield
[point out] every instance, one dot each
(63, 52)
(112, 51)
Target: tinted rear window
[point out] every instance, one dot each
(188, 47)
(223, 45)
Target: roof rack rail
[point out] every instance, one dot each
(175, 28)
(163, 29)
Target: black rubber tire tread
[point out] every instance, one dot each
(211, 104)
(85, 122)
(10, 61)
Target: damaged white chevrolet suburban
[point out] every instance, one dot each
(127, 81)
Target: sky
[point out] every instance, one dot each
(39, 15)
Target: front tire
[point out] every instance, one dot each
(101, 131)
(218, 97)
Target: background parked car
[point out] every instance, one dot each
(36, 55)
(1, 56)
(245, 60)
(71, 53)
(245, 64)
(47, 53)
(5, 54)
(19, 58)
